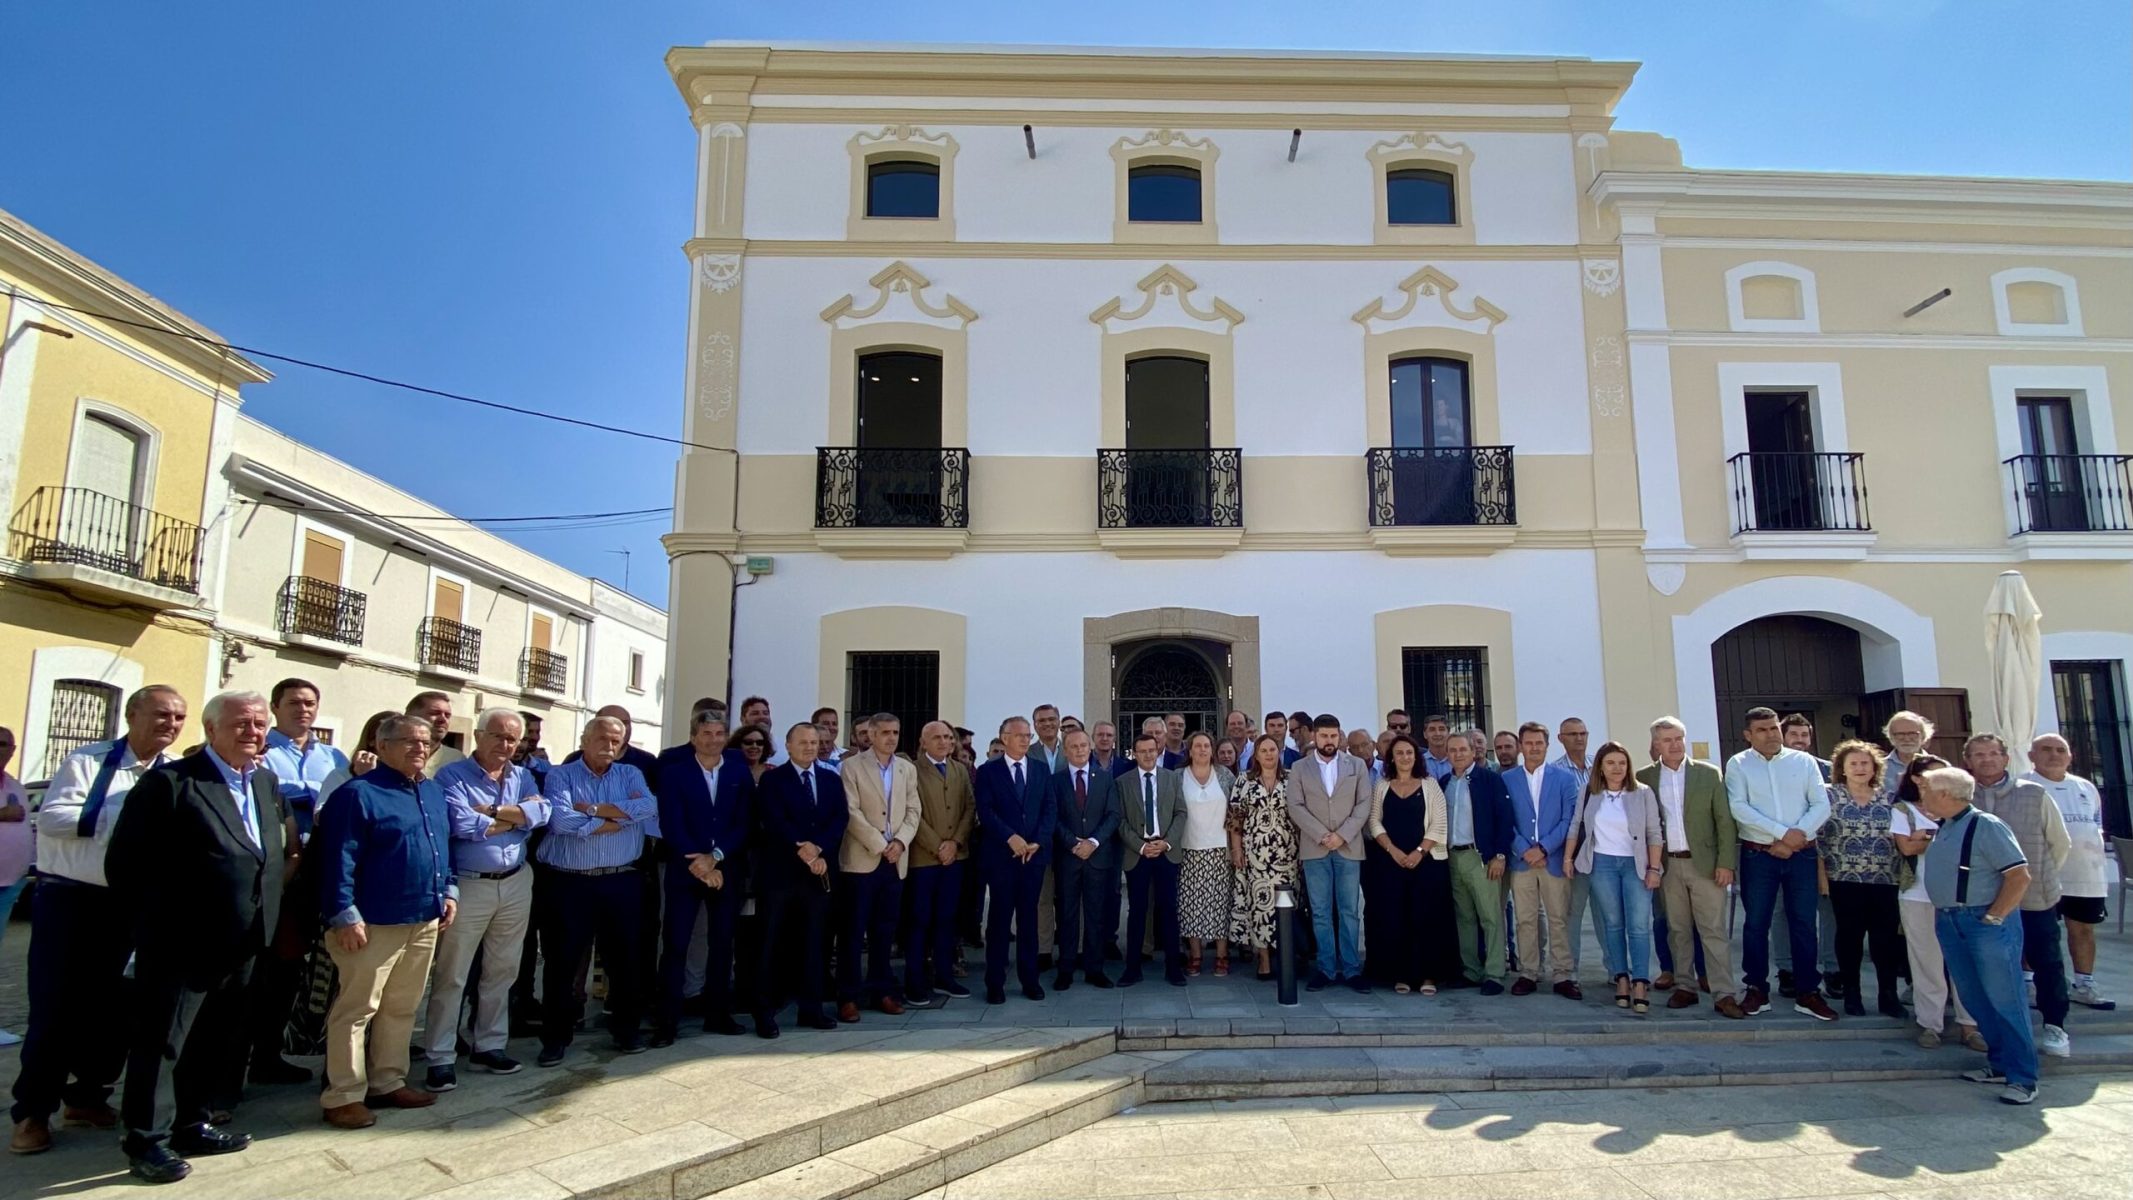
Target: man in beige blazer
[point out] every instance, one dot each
(940, 853)
(881, 793)
(1329, 800)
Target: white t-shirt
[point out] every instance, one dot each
(1205, 807)
(1610, 826)
(2082, 874)
(1900, 823)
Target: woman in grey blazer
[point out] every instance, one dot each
(1616, 840)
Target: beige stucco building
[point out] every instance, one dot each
(157, 535)
(1138, 380)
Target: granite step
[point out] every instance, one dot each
(927, 1154)
(1328, 1071)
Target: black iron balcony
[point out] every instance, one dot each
(314, 608)
(85, 527)
(1800, 492)
(2072, 493)
(448, 644)
(1175, 489)
(892, 488)
(1448, 485)
(542, 671)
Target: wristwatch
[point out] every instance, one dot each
(1989, 919)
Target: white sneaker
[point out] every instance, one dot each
(2053, 1041)
(2087, 995)
(10, 1038)
(2015, 1093)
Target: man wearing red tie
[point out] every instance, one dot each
(1016, 816)
(1085, 879)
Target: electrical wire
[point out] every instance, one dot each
(359, 512)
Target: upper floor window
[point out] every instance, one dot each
(906, 188)
(636, 683)
(1163, 191)
(1429, 403)
(1420, 196)
(109, 457)
(2034, 301)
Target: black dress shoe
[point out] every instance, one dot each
(662, 1038)
(206, 1139)
(1031, 991)
(724, 1025)
(766, 1027)
(1129, 979)
(1316, 983)
(995, 995)
(630, 1044)
(1097, 979)
(1359, 985)
(551, 1056)
(1177, 980)
(156, 1163)
(1062, 981)
(817, 1019)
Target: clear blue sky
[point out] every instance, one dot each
(490, 197)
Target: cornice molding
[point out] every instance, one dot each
(1779, 195)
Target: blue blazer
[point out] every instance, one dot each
(786, 818)
(1557, 807)
(1493, 825)
(1100, 822)
(1002, 812)
(694, 822)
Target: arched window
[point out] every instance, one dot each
(906, 188)
(1161, 191)
(1420, 196)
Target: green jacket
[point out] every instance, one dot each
(1714, 840)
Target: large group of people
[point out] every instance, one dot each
(199, 917)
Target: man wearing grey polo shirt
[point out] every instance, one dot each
(1970, 852)
(1779, 804)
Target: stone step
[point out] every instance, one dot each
(927, 1154)
(1539, 1026)
(1327, 1071)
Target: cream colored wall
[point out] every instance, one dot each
(33, 620)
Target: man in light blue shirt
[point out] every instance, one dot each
(1780, 803)
(299, 760)
(600, 811)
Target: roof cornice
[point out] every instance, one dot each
(1818, 195)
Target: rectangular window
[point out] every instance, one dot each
(904, 188)
(542, 634)
(322, 557)
(1163, 192)
(83, 711)
(1453, 680)
(1417, 196)
(904, 682)
(448, 600)
(636, 670)
(2092, 719)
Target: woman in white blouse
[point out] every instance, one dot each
(1618, 843)
(1204, 877)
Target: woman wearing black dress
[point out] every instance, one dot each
(1407, 880)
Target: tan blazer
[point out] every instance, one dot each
(863, 842)
(1343, 812)
(947, 811)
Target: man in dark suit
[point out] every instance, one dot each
(199, 857)
(1015, 821)
(801, 824)
(1150, 806)
(940, 852)
(1479, 825)
(1085, 879)
(704, 792)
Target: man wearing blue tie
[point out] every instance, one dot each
(802, 824)
(1150, 805)
(1016, 816)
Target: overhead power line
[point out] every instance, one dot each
(367, 377)
(361, 512)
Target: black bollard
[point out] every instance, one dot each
(1285, 974)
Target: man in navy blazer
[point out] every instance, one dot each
(1478, 825)
(1085, 871)
(1544, 804)
(704, 791)
(799, 826)
(1015, 822)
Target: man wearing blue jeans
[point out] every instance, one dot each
(1779, 803)
(1971, 851)
(1329, 799)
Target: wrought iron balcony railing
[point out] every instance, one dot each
(1157, 489)
(85, 527)
(1793, 492)
(2072, 493)
(448, 644)
(892, 488)
(1448, 485)
(542, 671)
(314, 608)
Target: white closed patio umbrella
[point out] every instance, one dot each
(2014, 644)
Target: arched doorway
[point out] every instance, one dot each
(1791, 663)
(1159, 676)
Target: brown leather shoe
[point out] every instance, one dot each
(350, 1116)
(94, 1116)
(33, 1135)
(848, 1012)
(891, 1006)
(1523, 986)
(401, 1097)
(1568, 989)
(1665, 981)
(1682, 998)
(1730, 1009)
(1812, 1004)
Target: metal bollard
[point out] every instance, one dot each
(1285, 973)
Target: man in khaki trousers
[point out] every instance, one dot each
(1702, 851)
(383, 849)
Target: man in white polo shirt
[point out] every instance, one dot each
(2081, 877)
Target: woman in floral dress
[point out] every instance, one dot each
(1262, 849)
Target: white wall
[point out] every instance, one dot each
(799, 180)
(1316, 621)
(1036, 360)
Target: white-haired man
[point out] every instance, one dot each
(1975, 873)
(2082, 879)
